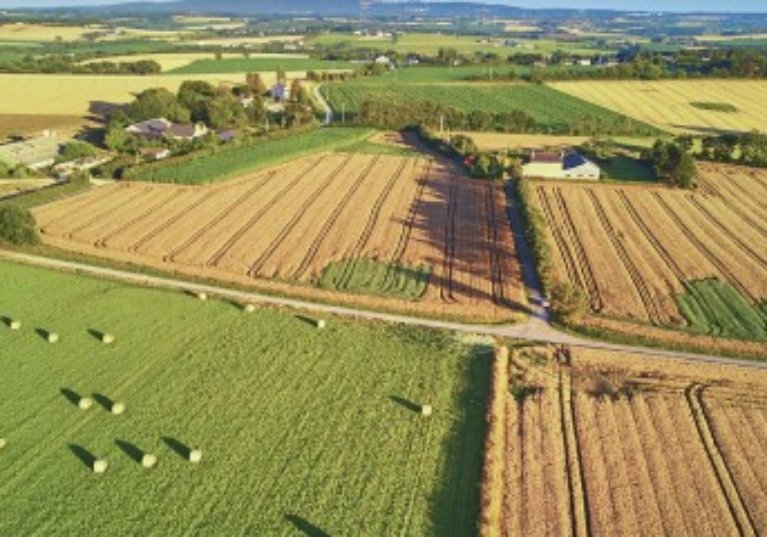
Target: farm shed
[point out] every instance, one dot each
(560, 165)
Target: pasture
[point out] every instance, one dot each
(280, 228)
(671, 104)
(624, 445)
(299, 428)
(23, 32)
(638, 252)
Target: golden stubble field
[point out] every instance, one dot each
(86, 95)
(279, 228)
(594, 443)
(633, 248)
(667, 104)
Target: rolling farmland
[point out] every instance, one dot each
(669, 104)
(664, 257)
(298, 427)
(590, 443)
(287, 224)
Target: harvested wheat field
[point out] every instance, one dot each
(592, 443)
(663, 257)
(385, 220)
(668, 104)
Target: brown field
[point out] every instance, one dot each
(667, 103)
(492, 141)
(30, 125)
(281, 227)
(632, 249)
(596, 443)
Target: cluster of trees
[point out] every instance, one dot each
(674, 163)
(397, 114)
(400, 114)
(69, 64)
(18, 171)
(17, 225)
(748, 149)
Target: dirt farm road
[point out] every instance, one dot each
(536, 329)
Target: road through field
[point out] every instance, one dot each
(536, 329)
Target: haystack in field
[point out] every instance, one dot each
(2, 443)
(107, 339)
(14, 325)
(426, 410)
(148, 460)
(118, 408)
(202, 296)
(52, 337)
(195, 455)
(320, 324)
(84, 403)
(100, 466)
(249, 308)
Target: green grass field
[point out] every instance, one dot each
(302, 431)
(715, 307)
(248, 65)
(370, 277)
(551, 109)
(624, 168)
(229, 162)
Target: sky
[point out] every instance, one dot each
(647, 5)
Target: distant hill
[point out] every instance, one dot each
(333, 8)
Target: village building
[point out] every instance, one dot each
(158, 128)
(187, 131)
(561, 165)
(154, 153)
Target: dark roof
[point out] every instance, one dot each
(227, 135)
(544, 156)
(573, 160)
(182, 131)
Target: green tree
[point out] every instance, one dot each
(158, 102)
(17, 225)
(256, 84)
(77, 150)
(569, 302)
(224, 111)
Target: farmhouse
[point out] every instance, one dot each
(155, 129)
(560, 165)
(34, 153)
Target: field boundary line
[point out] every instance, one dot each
(727, 484)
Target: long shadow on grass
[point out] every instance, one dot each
(43, 333)
(131, 450)
(104, 401)
(306, 527)
(454, 506)
(6, 321)
(85, 456)
(406, 403)
(70, 395)
(96, 334)
(179, 447)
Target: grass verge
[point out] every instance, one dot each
(371, 277)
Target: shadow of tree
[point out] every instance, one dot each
(306, 527)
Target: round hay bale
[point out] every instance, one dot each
(100, 466)
(249, 308)
(321, 324)
(148, 460)
(52, 337)
(195, 455)
(118, 408)
(2, 443)
(426, 410)
(202, 296)
(15, 325)
(85, 403)
(107, 339)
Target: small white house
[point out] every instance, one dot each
(561, 165)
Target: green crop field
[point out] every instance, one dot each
(302, 431)
(229, 162)
(247, 65)
(551, 109)
(718, 308)
(367, 276)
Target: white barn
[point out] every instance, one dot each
(562, 165)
